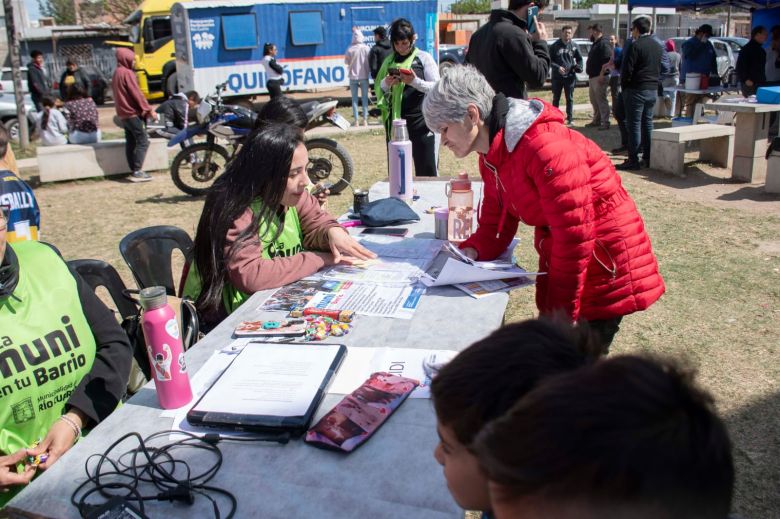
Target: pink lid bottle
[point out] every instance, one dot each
(460, 201)
(164, 346)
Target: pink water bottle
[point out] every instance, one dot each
(400, 152)
(163, 344)
(460, 201)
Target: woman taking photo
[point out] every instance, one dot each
(401, 83)
(273, 71)
(260, 228)
(588, 232)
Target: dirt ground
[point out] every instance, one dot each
(718, 244)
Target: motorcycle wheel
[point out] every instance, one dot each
(195, 168)
(329, 162)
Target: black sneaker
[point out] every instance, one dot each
(629, 166)
(619, 151)
(592, 124)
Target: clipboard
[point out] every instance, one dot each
(269, 388)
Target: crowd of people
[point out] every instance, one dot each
(534, 420)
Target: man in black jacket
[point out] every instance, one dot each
(639, 77)
(751, 63)
(565, 62)
(506, 53)
(598, 76)
(380, 51)
(38, 82)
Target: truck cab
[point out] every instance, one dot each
(152, 41)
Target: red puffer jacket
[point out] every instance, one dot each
(590, 237)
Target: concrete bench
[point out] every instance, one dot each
(102, 159)
(668, 146)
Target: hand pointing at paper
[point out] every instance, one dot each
(345, 248)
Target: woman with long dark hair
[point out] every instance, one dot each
(260, 228)
(51, 124)
(273, 71)
(81, 113)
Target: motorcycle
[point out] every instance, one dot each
(198, 164)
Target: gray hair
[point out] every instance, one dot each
(447, 101)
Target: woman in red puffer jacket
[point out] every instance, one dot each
(589, 235)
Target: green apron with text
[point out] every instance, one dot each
(390, 106)
(46, 347)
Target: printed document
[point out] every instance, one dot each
(271, 380)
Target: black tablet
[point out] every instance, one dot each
(269, 387)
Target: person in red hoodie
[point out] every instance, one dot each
(589, 235)
(132, 108)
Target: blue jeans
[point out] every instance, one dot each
(567, 85)
(639, 121)
(353, 86)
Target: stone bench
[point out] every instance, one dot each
(668, 146)
(101, 159)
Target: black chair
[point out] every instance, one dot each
(148, 252)
(98, 273)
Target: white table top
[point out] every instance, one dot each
(392, 475)
(710, 90)
(743, 106)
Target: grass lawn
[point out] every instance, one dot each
(721, 311)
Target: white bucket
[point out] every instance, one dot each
(692, 81)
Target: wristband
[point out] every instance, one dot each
(73, 425)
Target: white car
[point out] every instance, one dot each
(584, 45)
(7, 82)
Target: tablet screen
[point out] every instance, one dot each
(270, 380)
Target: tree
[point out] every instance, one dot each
(119, 9)
(63, 11)
(470, 7)
(587, 4)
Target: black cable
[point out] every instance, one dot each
(157, 465)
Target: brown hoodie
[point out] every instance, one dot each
(128, 99)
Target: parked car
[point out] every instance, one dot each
(8, 114)
(450, 55)
(584, 45)
(725, 56)
(7, 82)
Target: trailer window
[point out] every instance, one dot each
(157, 32)
(239, 31)
(306, 27)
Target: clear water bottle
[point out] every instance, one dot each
(165, 350)
(400, 152)
(460, 201)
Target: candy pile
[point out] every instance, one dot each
(40, 458)
(319, 327)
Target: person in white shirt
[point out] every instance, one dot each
(356, 59)
(51, 124)
(273, 71)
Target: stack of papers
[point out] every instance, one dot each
(455, 272)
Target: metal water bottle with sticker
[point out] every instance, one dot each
(400, 152)
(165, 350)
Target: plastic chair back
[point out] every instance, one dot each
(148, 252)
(98, 273)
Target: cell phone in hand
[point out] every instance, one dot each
(394, 71)
(533, 12)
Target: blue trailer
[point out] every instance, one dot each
(222, 41)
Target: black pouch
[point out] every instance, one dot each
(387, 211)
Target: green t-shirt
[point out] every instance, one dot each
(289, 243)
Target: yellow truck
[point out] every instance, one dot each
(152, 41)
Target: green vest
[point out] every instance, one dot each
(391, 108)
(46, 346)
(289, 243)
